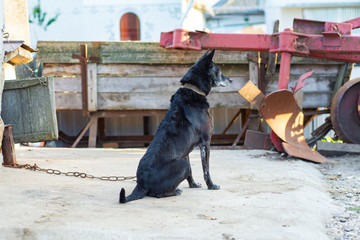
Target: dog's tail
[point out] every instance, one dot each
(122, 198)
(138, 193)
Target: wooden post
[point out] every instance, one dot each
(83, 67)
(261, 74)
(84, 93)
(102, 130)
(91, 91)
(8, 148)
(271, 67)
(93, 131)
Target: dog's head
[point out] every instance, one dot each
(205, 74)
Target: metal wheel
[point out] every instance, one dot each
(345, 112)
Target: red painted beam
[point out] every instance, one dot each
(180, 38)
(340, 45)
(330, 45)
(355, 22)
(243, 42)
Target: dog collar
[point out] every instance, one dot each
(194, 88)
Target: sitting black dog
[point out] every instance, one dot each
(186, 125)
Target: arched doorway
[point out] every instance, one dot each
(129, 27)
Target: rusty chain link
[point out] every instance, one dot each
(71, 174)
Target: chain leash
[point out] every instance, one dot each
(70, 174)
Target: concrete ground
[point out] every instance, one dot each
(262, 196)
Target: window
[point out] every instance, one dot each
(129, 27)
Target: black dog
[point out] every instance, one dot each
(186, 125)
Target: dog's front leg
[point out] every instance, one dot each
(205, 155)
(190, 179)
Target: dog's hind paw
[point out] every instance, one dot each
(178, 192)
(214, 187)
(195, 185)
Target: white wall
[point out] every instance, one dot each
(195, 19)
(285, 15)
(237, 24)
(90, 20)
(287, 10)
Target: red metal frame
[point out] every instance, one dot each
(316, 39)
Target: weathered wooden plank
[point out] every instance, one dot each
(61, 70)
(26, 83)
(31, 110)
(142, 70)
(313, 83)
(128, 52)
(301, 60)
(68, 101)
(254, 72)
(272, 57)
(67, 84)
(162, 101)
(316, 99)
(319, 68)
(137, 84)
(155, 84)
(136, 101)
(162, 70)
(171, 70)
(92, 87)
(139, 52)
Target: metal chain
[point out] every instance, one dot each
(70, 174)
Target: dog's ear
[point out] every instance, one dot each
(210, 56)
(203, 56)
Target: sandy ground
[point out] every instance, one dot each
(262, 196)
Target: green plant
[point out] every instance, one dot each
(39, 17)
(356, 209)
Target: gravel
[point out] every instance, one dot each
(342, 175)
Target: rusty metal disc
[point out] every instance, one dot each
(345, 115)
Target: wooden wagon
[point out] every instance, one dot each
(138, 78)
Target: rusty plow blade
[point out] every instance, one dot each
(281, 111)
(286, 119)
